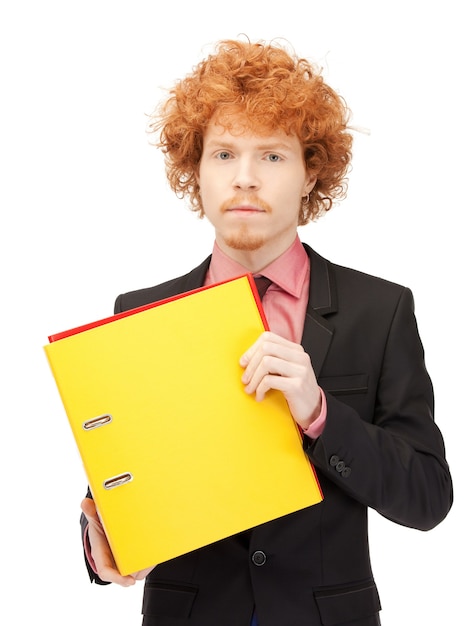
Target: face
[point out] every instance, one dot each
(251, 188)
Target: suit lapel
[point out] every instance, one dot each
(318, 330)
(196, 278)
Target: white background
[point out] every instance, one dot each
(86, 214)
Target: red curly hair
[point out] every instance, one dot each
(270, 90)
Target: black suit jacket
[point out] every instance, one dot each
(380, 449)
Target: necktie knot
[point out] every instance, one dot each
(262, 283)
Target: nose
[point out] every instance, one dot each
(245, 176)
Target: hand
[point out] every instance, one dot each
(101, 552)
(273, 362)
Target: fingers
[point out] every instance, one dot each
(270, 357)
(110, 574)
(143, 573)
(273, 362)
(263, 345)
(89, 509)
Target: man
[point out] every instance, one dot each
(261, 145)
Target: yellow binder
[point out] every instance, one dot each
(177, 455)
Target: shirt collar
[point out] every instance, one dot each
(288, 271)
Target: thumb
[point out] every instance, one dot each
(89, 509)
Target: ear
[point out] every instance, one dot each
(311, 179)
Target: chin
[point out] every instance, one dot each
(245, 242)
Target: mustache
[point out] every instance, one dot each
(249, 199)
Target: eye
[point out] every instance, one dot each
(223, 155)
(274, 158)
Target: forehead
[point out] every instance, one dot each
(239, 133)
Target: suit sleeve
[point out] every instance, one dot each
(394, 462)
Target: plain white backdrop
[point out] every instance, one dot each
(86, 214)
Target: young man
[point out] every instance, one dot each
(260, 145)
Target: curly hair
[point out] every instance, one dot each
(270, 89)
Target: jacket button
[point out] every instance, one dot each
(340, 466)
(334, 460)
(346, 472)
(259, 558)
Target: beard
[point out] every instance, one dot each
(244, 240)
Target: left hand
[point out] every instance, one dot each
(273, 362)
(101, 553)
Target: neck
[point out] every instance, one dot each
(256, 260)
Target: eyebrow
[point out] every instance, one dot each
(277, 145)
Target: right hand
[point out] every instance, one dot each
(101, 552)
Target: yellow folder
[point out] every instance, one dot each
(177, 455)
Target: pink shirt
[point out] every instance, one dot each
(285, 301)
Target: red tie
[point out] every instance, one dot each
(262, 283)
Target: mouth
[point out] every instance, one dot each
(245, 210)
